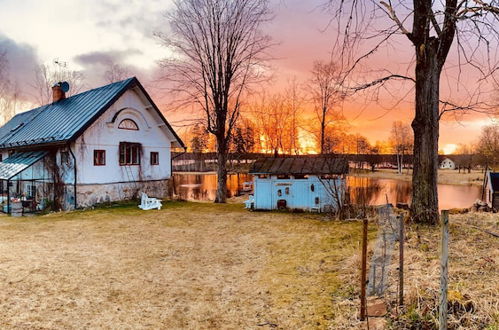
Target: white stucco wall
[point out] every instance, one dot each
(104, 134)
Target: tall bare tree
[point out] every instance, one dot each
(488, 146)
(9, 91)
(219, 51)
(401, 142)
(116, 72)
(436, 26)
(326, 89)
(47, 75)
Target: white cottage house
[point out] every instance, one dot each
(105, 144)
(447, 164)
(310, 183)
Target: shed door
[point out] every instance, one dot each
(263, 193)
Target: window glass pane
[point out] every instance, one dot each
(128, 124)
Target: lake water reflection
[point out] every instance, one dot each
(375, 191)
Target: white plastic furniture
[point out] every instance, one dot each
(148, 203)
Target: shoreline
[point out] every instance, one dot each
(451, 177)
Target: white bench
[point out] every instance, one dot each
(148, 203)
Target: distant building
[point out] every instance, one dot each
(491, 190)
(447, 164)
(102, 145)
(312, 183)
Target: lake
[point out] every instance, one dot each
(375, 191)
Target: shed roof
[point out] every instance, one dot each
(300, 165)
(65, 120)
(18, 162)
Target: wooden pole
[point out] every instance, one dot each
(363, 272)
(444, 256)
(401, 261)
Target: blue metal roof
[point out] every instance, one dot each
(65, 120)
(18, 162)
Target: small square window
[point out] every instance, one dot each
(99, 157)
(154, 158)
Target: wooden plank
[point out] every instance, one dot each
(444, 257)
(363, 271)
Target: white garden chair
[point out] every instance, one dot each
(149, 203)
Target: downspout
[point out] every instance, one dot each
(75, 173)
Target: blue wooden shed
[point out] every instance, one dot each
(310, 183)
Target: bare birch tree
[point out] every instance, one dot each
(219, 51)
(326, 90)
(48, 75)
(464, 26)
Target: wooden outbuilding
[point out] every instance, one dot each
(491, 189)
(311, 183)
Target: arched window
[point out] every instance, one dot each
(128, 124)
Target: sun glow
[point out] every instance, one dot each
(449, 148)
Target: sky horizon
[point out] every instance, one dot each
(88, 35)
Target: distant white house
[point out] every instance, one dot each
(293, 182)
(105, 144)
(447, 164)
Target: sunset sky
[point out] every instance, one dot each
(88, 34)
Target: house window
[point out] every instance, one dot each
(279, 192)
(154, 158)
(317, 200)
(128, 124)
(129, 153)
(312, 187)
(99, 157)
(286, 190)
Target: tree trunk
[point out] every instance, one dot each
(221, 196)
(424, 208)
(323, 129)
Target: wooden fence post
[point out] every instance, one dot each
(444, 256)
(401, 261)
(363, 272)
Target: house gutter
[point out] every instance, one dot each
(75, 173)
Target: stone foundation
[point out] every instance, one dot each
(91, 194)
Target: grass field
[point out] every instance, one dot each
(200, 265)
(444, 176)
(191, 265)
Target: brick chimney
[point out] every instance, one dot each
(58, 92)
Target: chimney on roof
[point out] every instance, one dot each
(59, 91)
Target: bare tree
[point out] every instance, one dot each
(9, 91)
(116, 72)
(401, 142)
(326, 90)
(488, 145)
(294, 105)
(436, 26)
(219, 51)
(47, 75)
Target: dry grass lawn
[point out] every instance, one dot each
(444, 176)
(191, 265)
